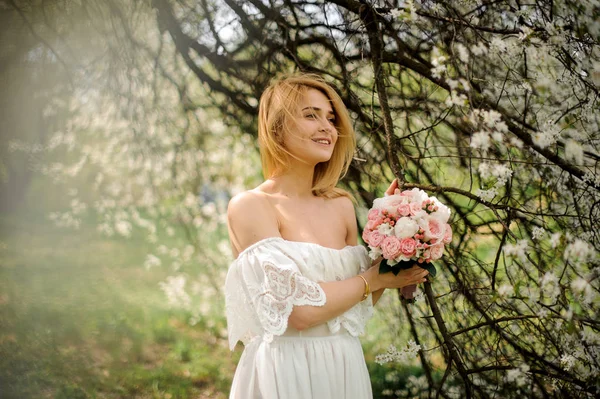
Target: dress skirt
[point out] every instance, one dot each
(303, 367)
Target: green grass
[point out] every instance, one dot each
(81, 318)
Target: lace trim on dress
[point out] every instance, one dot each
(283, 289)
(266, 281)
(260, 299)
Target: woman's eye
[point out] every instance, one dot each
(332, 121)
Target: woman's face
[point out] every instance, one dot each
(312, 135)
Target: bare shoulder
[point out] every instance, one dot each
(345, 207)
(250, 218)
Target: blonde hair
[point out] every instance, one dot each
(278, 103)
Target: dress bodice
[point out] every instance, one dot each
(271, 276)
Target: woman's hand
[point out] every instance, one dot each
(393, 186)
(414, 275)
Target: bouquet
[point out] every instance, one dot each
(405, 228)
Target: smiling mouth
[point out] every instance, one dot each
(323, 141)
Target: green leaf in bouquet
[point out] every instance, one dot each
(384, 267)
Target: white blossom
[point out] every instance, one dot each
(479, 49)
(502, 172)
(438, 61)
(394, 355)
(525, 33)
(481, 140)
(579, 251)
(405, 227)
(574, 152)
(463, 53)
(547, 136)
(584, 290)
(456, 99)
(151, 261)
(549, 286)
(506, 290)
(517, 250)
(498, 45)
(537, 233)
(486, 195)
(567, 361)
(484, 170)
(174, 289)
(123, 227)
(515, 141)
(518, 375)
(555, 239)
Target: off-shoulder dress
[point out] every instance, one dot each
(324, 362)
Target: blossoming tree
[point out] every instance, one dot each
(492, 106)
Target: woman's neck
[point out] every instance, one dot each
(297, 182)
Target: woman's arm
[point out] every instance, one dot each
(250, 219)
(342, 295)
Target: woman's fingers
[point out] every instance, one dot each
(406, 277)
(393, 186)
(419, 275)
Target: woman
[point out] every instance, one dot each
(301, 289)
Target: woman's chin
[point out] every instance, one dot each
(322, 160)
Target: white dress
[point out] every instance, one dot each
(324, 362)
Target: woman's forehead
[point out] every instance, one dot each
(316, 100)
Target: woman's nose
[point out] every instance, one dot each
(326, 126)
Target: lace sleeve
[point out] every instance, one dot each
(261, 289)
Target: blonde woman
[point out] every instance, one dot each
(301, 290)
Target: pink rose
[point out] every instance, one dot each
(404, 209)
(395, 200)
(373, 214)
(415, 207)
(434, 230)
(376, 238)
(366, 235)
(371, 225)
(408, 193)
(436, 251)
(392, 204)
(408, 247)
(447, 234)
(390, 247)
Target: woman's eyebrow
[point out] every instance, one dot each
(317, 109)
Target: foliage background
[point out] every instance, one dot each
(127, 126)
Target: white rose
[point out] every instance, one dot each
(443, 212)
(385, 229)
(374, 253)
(380, 203)
(405, 227)
(420, 195)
